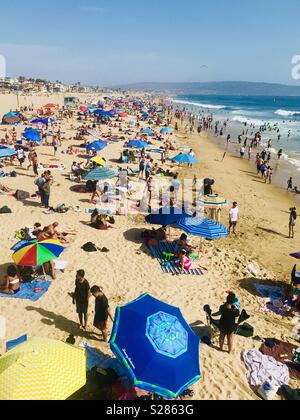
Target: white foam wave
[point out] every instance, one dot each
(284, 113)
(243, 120)
(207, 106)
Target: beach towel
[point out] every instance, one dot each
(27, 291)
(283, 353)
(262, 368)
(51, 167)
(14, 343)
(80, 189)
(274, 299)
(269, 291)
(170, 267)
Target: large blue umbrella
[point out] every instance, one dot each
(32, 135)
(138, 144)
(206, 228)
(44, 121)
(99, 174)
(97, 146)
(102, 113)
(6, 152)
(157, 347)
(166, 216)
(185, 158)
(147, 131)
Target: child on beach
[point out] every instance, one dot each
(81, 298)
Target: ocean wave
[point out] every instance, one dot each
(284, 113)
(200, 105)
(243, 120)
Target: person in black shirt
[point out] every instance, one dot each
(102, 311)
(81, 298)
(229, 313)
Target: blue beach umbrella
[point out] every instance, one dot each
(138, 144)
(157, 346)
(6, 152)
(32, 135)
(166, 216)
(97, 146)
(148, 131)
(100, 174)
(185, 158)
(206, 228)
(166, 130)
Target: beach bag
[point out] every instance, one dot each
(245, 330)
(13, 174)
(90, 247)
(22, 195)
(5, 210)
(268, 390)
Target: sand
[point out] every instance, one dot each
(128, 270)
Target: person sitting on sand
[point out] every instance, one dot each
(11, 284)
(229, 314)
(183, 243)
(154, 237)
(102, 222)
(184, 261)
(45, 234)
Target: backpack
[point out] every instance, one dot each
(5, 210)
(13, 174)
(89, 247)
(245, 330)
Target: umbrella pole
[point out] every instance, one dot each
(44, 272)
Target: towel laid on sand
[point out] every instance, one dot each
(170, 267)
(27, 291)
(262, 368)
(274, 299)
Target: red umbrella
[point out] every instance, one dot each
(83, 108)
(123, 114)
(48, 106)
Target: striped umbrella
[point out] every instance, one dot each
(206, 228)
(42, 369)
(99, 174)
(213, 201)
(34, 253)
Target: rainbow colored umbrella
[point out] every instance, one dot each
(34, 253)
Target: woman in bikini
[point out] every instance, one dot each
(11, 284)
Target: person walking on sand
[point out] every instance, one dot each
(81, 298)
(102, 311)
(233, 218)
(229, 314)
(292, 222)
(290, 184)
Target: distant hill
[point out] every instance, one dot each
(216, 88)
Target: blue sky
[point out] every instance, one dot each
(109, 42)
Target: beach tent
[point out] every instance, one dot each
(100, 174)
(96, 146)
(185, 158)
(166, 216)
(156, 345)
(139, 144)
(205, 228)
(42, 369)
(6, 152)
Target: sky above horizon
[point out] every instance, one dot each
(115, 42)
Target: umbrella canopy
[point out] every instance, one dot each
(49, 106)
(148, 131)
(33, 253)
(166, 130)
(185, 158)
(102, 113)
(11, 119)
(157, 347)
(42, 369)
(123, 114)
(32, 135)
(99, 161)
(97, 146)
(206, 228)
(166, 216)
(296, 255)
(83, 108)
(6, 152)
(100, 174)
(138, 144)
(44, 121)
(213, 201)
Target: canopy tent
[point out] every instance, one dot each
(42, 369)
(157, 346)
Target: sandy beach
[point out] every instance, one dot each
(128, 270)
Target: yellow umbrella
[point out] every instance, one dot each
(99, 161)
(42, 369)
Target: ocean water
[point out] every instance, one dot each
(250, 113)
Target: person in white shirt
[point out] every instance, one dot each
(233, 217)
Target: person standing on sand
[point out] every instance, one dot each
(233, 217)
(290, 184)
(81, 298)
(292, 222)
(102, 311)
(229, 313)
